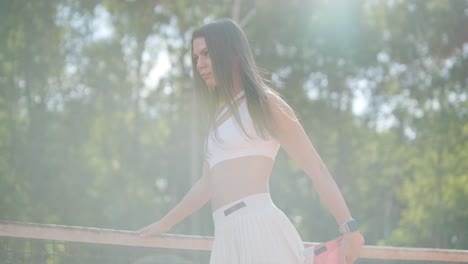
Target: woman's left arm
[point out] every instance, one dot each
(296, 143)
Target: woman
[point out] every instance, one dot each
(247, 122)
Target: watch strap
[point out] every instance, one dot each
(350, 225)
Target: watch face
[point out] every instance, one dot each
(353, 225)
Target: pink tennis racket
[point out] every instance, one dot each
(325, 253)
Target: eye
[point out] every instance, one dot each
(205, 52)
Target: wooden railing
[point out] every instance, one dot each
(131, 239)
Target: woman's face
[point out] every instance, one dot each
(203, 62)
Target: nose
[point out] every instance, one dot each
(200, 64)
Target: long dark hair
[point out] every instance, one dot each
(227, 46)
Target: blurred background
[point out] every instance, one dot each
(97, 126)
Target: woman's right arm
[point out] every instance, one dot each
(199, 195)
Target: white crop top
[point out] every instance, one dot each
(233, 143)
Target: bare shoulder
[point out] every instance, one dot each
(279, 107)
(275, 99)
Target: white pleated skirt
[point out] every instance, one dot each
(253, 230)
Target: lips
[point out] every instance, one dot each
(205, 75)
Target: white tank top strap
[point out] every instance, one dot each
(225, 108)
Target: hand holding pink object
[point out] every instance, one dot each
(336, 251)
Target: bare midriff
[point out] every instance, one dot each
(237, 178)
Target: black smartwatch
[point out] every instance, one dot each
(349, 226)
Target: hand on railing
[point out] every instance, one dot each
(154, 229)
(350, 247)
